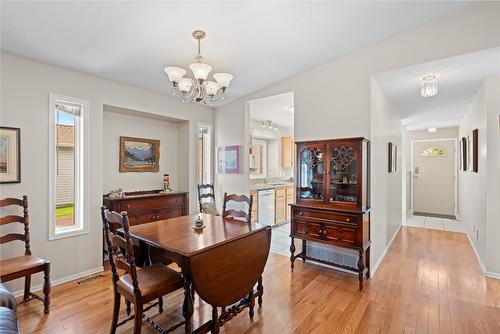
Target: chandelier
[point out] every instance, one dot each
(200, 90)
(429, 86)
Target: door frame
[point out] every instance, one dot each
(455, 174)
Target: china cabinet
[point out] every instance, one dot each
(333, 199)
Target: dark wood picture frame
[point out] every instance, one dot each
(154, 167)
(464, 152)
(475, 147)
(392, 157)
(18, 154)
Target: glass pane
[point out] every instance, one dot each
(311, 173)
(65, 169)
(343, 174)
(434, 151)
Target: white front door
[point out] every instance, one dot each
(434, 177)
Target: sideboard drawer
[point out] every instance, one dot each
(151, 203)
(326, 216)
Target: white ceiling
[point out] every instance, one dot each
(259, 42)
(459, 79)
(273, 108)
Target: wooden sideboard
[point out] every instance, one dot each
(148, 206)
(332, 200)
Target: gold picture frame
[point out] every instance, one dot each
(139, 155)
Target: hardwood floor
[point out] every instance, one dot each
(429, 282)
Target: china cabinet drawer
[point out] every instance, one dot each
(328, 216)
(338, 234)
(151, 203)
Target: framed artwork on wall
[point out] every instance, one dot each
(475, 147)
(392, 158)
(139, 155)
(463, 154)
(10, 155)
(228, 159)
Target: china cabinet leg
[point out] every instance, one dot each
(361, 269)
(292, 253)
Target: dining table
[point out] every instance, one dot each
(222, 262)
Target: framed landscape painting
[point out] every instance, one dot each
(10, 155)
(139, 155)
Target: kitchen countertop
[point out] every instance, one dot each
(263, 186)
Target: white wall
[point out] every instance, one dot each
(386, 188)
(118, 124)
(333, 100)
(480, 198)
(25, 88)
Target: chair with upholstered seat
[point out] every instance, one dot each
(241, 201)
(138, 286)
(206, 199)
(25, 265)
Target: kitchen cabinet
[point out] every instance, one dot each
(290, 199)
(280, 205)
(255, 206)
(287, 152)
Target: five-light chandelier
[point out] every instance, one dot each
(200, 90)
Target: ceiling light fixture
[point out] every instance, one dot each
(201, 89)
(431, 129)
(429, 85)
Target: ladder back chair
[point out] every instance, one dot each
(246, 215)
(138, 286)
(206, 199)
(25, 265)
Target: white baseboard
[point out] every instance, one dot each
(373, 270)
(486, 273)
(62, 280)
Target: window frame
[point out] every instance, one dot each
(264, 175)
(209, 150)
(81, 201)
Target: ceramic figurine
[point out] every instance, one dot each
(166, 183)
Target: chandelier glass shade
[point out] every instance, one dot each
(200, 89)
(429, 86)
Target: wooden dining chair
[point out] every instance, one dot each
(25, 265)
(136, 285)
(206, 199)
(246, 215)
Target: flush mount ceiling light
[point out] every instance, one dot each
(429, 85)
(200, 90)
(431, 129)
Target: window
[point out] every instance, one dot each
(434, 151)
(258, 157)
(67, 166)
(204, 154)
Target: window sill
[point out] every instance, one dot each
(67, 233)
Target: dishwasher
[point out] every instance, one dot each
(266, 206)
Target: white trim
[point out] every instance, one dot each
(455, 181)
(374, 268)
(492, 275)
(82, 193)
(212, 161)
(481, 264)
(62, 280)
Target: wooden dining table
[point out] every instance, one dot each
(222, 262)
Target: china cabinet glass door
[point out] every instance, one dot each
(343, 174)
(311, 171)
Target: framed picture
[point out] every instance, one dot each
(475, 147)
(139, 155)
(10, 155)
(463, 154)
(469, 153)
(228, 159)
(392, 158)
